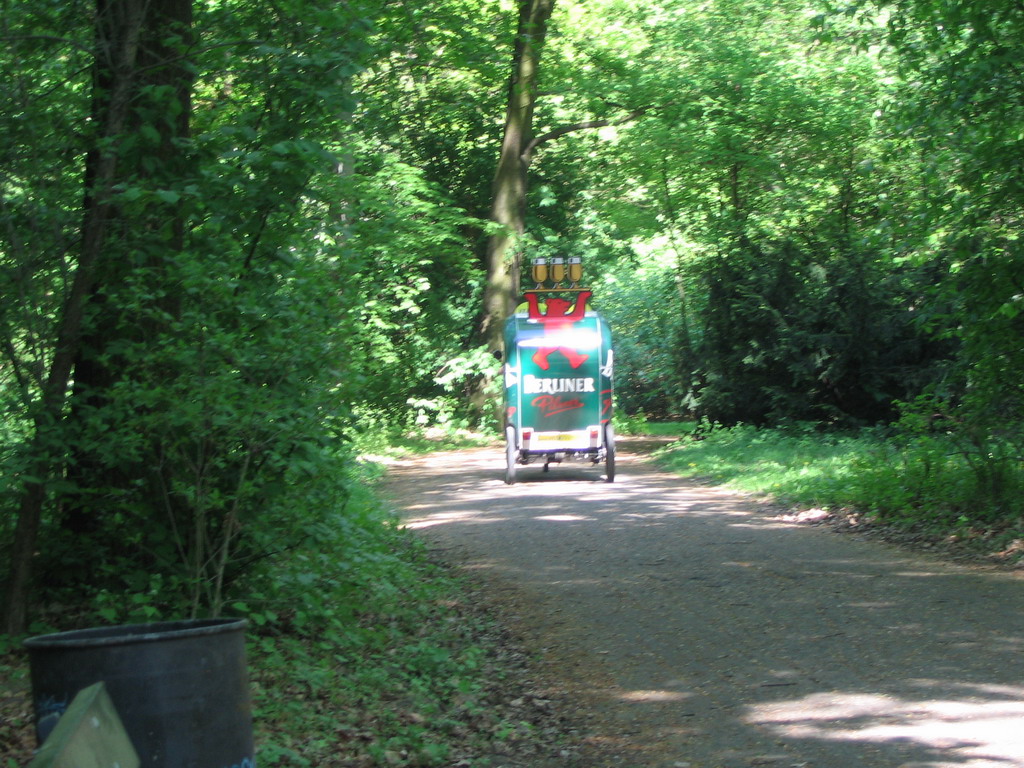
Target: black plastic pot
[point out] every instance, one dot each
(180, 687)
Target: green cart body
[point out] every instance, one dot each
(558, 386)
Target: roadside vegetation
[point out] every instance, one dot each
(913, 477)
(362, 649)
(249, 248)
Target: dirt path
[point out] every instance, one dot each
(694, 630)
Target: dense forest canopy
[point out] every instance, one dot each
(234, 235)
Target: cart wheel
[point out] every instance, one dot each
(510, 455)
(609, 453)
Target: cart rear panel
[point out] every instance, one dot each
(558, 382)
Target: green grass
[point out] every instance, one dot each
(792, 467)
(927, 482)
(670, 428)
(640, 425)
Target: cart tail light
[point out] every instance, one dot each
(527, 434)
(595, 433)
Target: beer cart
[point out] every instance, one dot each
(558, 384)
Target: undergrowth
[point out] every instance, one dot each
(355, 653)
(361, 651)
(381, 671)
(931, 482)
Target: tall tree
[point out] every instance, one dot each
(163, 335)
(130, 63)
(521, 142)
(963, 105)
(508, 198)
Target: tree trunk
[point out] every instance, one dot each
(126, 31)
(508, 202)
(162, 67)
(685, 359)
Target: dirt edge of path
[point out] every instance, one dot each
(552, 693)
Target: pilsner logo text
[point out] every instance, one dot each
(535, 385)
(549, 405)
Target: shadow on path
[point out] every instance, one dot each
(701, 632)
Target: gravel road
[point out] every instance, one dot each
(692, 628)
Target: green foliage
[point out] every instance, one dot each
(373, 655)
(923, 476)
(803, 334)
(285, 277)
(44, 90)
(641, 303)
(807, 219)
(414, 290)
(430, 94)
(956, 108)
(763, 282)
(219, 426)
(631, 424)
